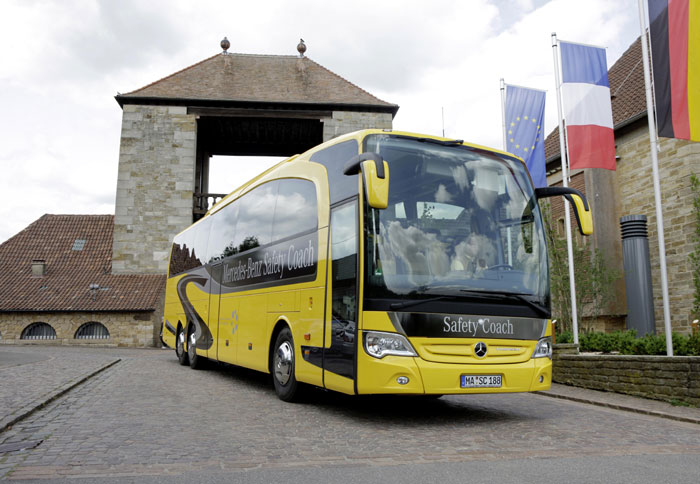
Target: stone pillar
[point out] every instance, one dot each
(343, 122)
(154, 186)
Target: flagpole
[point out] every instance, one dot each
(505, 148)
(565, 177)
(653, 142)
(503, 114)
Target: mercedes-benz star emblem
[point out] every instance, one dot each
(480, 349)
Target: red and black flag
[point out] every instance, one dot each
(675, 47)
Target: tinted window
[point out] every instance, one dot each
(181, 253)
(334, 159)
(295, 211)
(189, 248)
(201, 239)
(254, 226)
(221, 243)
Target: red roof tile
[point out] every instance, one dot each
(258, 78)
(69, 272)
(627, 95)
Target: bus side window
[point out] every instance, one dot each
(180, 252)
(295, 211)
(201, 239)
(334, 158)
(254, 225)
(221, 243)
(185, 255)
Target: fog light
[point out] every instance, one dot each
(402, 380)
(541, 378)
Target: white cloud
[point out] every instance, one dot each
(63, 62)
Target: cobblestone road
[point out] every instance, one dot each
(29, 375)
(146, 415)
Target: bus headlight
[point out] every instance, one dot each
(543, 348)
(379, 344)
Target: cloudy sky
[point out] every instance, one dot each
(63, 61)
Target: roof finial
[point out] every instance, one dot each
(225, 44)
(301, 47)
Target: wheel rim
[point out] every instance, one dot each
(284, 358)
(180, 343)
(191, 345)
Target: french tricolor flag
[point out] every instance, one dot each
(587, 109)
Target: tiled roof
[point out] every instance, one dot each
(258, 78)
(69, 272)
(628, 99)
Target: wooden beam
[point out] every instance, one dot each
(259, 113)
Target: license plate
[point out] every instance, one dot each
(481, 381)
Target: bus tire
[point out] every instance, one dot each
(180, 348)
(286, 385)
(195, 360)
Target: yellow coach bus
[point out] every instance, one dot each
(377, 262)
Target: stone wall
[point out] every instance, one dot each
(343, 122)
(154, 186)
(135, 329)
(678, 159)
(658, 377)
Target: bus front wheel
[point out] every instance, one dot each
(286, 385)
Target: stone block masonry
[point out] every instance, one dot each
(678, 160)
(343, 122)
(154, 186)
(671, 379)
(134, 329)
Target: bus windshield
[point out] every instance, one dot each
(459, 220)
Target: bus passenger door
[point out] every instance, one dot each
(341, 324)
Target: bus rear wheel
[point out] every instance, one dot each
(195, 360)
(180, 348)
(286, 385)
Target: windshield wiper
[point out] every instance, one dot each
(405, 304)
(542, 310)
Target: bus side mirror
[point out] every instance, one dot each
(375, 173)
(581, 208)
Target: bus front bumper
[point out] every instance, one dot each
(413, 375)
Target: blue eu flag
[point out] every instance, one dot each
(525, 129)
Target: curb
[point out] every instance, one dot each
(627, 408)
(29, 409)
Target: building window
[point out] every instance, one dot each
(38, 331)
(79, 244)
(92, 330)
(561, 228)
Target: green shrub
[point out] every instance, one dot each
(565, 337)
(627, 343)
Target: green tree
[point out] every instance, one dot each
(695, 254)
(594, 278)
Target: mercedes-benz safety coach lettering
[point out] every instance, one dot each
(485, 325)
(290, 259)
(468, 326)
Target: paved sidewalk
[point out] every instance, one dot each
(32, 376)
(625, 402)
